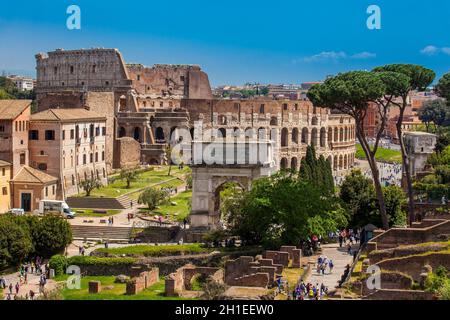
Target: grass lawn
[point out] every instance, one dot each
(115, 292)
(156, 251)
(144, 179)
(91, 213)
(176, 212)
(173, 183)
(386, 155)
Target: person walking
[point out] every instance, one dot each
(331, 265)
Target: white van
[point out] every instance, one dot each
(55, 206)
(17, 212)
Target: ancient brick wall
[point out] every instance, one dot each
(413, 265)
(247, 272)
(396, 294)
(127, 153)
(142, 281)
(180, 280)
(278, 257)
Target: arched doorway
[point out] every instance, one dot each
(137, 134)
(223, 193)
(160, 138)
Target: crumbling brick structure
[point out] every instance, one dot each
(278, 257)
(141, 282)
(247, 272)
(180, 280)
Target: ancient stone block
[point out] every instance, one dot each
(296, 258)
(94, 287)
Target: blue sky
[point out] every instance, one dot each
(285, 41)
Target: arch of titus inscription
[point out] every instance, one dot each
(215, 164)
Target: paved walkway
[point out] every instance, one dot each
(32, 284)
(340, 259)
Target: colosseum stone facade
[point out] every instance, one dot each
(150, 103)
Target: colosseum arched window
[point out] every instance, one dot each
(294, 163)
(314, 137)
(323, 135)
(305, 134)
(330, 134)
(283, 164)
(295, 135)
(284, 137)
(273, 121)
(341, 136)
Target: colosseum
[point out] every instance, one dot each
(149, 104)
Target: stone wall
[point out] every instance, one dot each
(379, 255)
(142, 281)
(278, 257)
(406, 236)
(396, 294)
(127, 153)
(180, 280)
(413, 265)
(247, 272)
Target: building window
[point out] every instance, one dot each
(22, 158)
(72, 134)
(46, 191)
(42, 153)
(94, 68)
(261, 109)
(53, 190)
(17, 126)
(96, 157)
(97, 131)
(3, 171)
(104, 173)
(84, 159)
(103, 131)
(71, 69)
(103, 155)
(42, 166)
(64, 134)
(138, 77)
(73, 180)
(2, 128)
(91, 158)
(182, 78)
(49, 134)
(55, 69)
(34, 135)
(5, 191)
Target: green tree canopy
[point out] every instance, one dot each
(287, 210)
(152, 198)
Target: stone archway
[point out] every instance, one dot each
(207, 182)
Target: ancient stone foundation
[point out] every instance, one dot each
(142, 281)
(180, 280)
(247, 272)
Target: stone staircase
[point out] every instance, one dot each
(110, 233)
(120, 203)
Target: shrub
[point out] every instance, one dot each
(96, 261)
(59, 264)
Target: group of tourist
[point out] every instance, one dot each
(35, 267)
(323, 263)
(110, 221)
(390, 173)
(309, 291)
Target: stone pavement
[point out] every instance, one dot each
(340, 259)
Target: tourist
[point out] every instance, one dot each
(349, 249)
(10, 288)
(330, 265)
(31, 295)
(2, 283)
(341, 240)
(184, 223)
(17, 287)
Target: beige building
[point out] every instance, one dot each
(69, 144)
(5, 193)
(30, 186)
(14, 124)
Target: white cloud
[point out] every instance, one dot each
(364, 55)
(429, 50)
(433, 50)
(446, 50)
(326, 55)
(335, 56)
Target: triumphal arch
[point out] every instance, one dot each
(216, 163)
